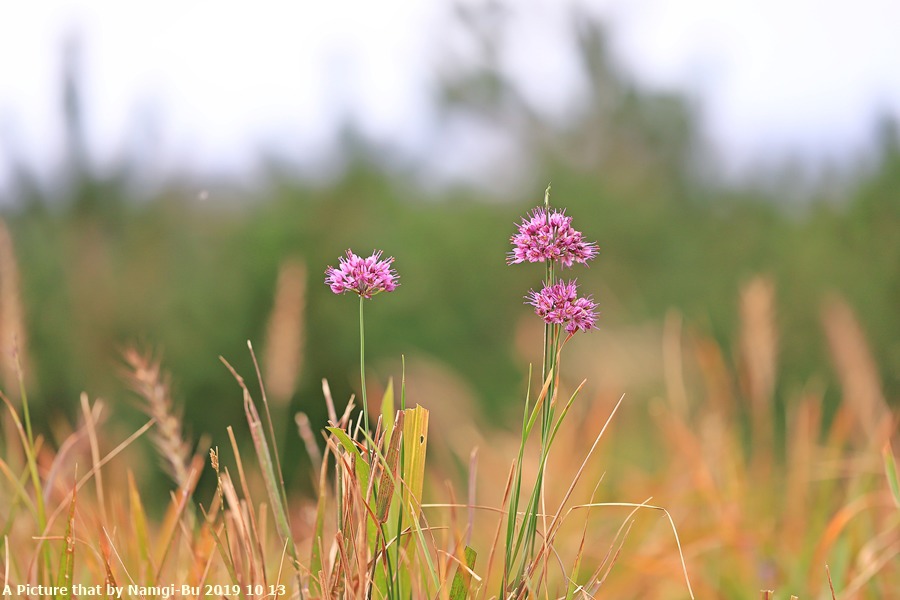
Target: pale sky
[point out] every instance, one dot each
(222, 79)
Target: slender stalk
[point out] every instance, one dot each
(551, 348)
(551, 339)
(398, 587)
(362, 377)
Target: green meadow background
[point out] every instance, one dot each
(188, 267)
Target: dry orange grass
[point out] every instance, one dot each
(751, 508)
(755, 508)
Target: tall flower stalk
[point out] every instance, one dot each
(545, 236)
(362, 367)
(365, 277)
(548, 236)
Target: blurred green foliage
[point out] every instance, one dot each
(104, 266)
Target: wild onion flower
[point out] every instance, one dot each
(559, 304)
(549, 236)
(365, 277)
(362, 276)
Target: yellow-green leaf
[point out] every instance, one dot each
(415, 432)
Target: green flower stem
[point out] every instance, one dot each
(551, 351)
(362, 377)
(551, 343)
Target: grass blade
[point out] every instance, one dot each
(890, 470)
(28, 446)
(315, 559)
(415, 434)
(644, 505)
(179, 503)
(67, 560)
(361, 466)
(139, 522)
(271, 473)
(387, 411)
(459, 590)
(386, 486)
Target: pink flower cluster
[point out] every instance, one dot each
(363, 276)
(547, 236)
(559, 304)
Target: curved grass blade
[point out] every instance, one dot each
(361, 466)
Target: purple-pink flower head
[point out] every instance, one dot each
(363, 276)
(546, 236)
(559, 304)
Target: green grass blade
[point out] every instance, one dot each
(890, 470)
(139, 522)
(402, 382)
(271, 481)
(21, 496)
(28, 446)
(541, 401)
(271, 475)
(222, 547)
(362, 467)
(423, 544)
(396, 516)
(387, 412)
(315, 560)
(509, 555)
(274, 446)
(67, 559)
(459, 590)
(559, 421)
(576, 566)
